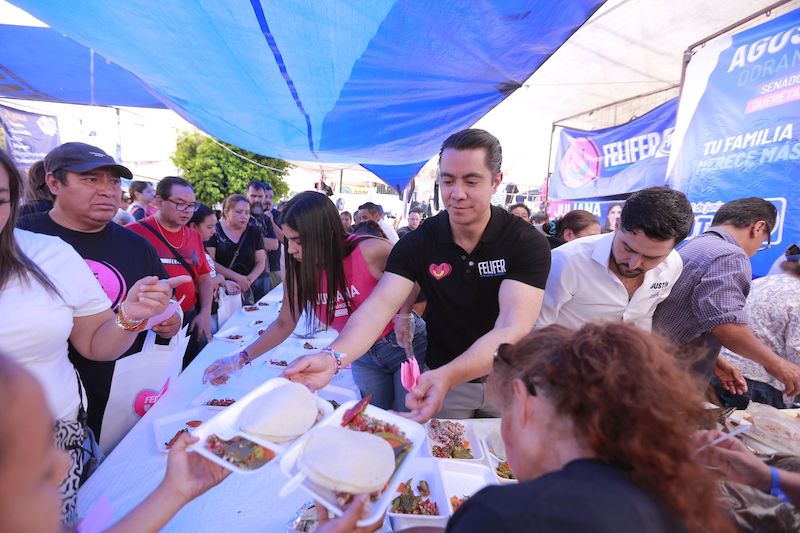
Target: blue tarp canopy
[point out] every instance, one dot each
(377, 82)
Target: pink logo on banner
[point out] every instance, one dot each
(147, 398)
(581, 164)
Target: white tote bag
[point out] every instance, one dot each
(228, 305)
(139, 380)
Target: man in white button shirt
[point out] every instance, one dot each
(622, 275)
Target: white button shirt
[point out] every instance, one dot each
(581, 288)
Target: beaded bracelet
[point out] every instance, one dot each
(337, 359)
(125, 323)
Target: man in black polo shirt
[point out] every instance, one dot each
(483, 271)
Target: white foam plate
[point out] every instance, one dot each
(462, 478)
(233, 389)
(489, 444)
(469, 435)
(340, 395)
(423, 468)
(164, 428)
(259, 323)
(226, 424)
(413, 431)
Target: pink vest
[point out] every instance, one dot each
(360, 283)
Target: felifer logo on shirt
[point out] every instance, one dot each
(494, 267)
(440, 271)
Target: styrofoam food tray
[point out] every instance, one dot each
(247, 336)
(226, 424)
(233, 389)
(490, 444)
(258, 323)
(469, 435)
(424, 468)
(164, 428)
(413, 432)
(461, 478)
(338, 394)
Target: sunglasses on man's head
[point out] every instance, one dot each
(503, 354)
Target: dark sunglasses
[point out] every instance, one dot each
(503, 354)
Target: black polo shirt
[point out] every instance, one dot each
(462, 289)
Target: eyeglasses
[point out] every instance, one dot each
(767, 246)
(502, 354)
(180, 206)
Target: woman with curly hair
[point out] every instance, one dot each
(597, 425)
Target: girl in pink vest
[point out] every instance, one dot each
(318, 251)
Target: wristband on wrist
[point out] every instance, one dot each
(337, 359)
(775, 485)
(243, 355)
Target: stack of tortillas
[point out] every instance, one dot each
(344, 460)
(282, 414)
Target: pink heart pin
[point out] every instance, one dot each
(440, 271)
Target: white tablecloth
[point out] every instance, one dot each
(241, 502)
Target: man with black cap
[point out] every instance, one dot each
(85, 182)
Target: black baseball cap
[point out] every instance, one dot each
(81, 157)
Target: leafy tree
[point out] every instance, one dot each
(215, 172)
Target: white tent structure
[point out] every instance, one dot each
(627, 49)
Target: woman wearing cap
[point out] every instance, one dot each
(773, 312)
(317, 251)
(597, 425)
(53, 298)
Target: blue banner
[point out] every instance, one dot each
(617, 160)
(27, 137)
(607, 210)
(738, 126)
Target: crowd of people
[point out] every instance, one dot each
(594, 341)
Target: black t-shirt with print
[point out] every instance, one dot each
(586, 495)
(462, 289)
(267, 230)
(118, 258)
(225, 249)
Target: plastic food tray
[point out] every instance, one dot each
(469, 435)
(424, 468)
(164, 428)
(226, 425)
(413, 432)
(461, 478)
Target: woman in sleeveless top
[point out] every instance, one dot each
(329, 273)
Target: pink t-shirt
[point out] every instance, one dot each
(360, 283)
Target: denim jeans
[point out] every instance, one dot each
(377, 372)
(757, 391)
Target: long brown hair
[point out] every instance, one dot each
(636, 407)
(13, 262)
(315, 218)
